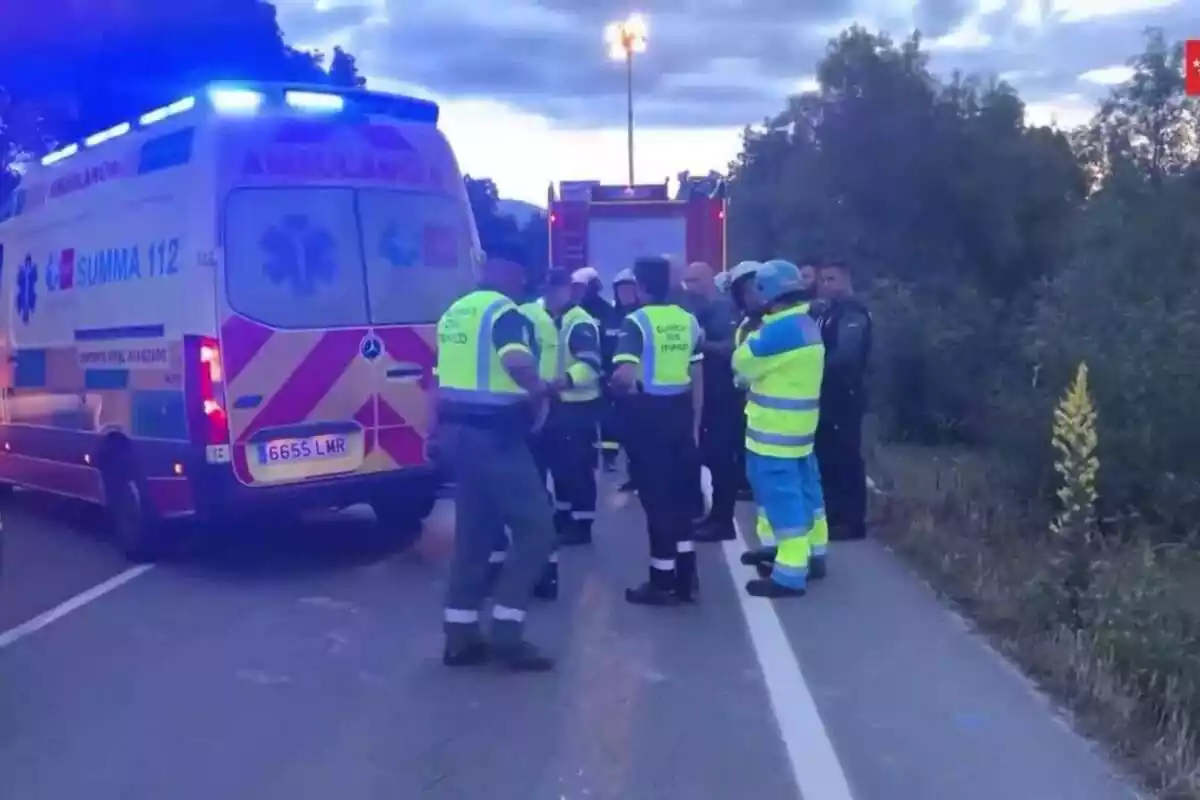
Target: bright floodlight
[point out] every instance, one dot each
(626, 37)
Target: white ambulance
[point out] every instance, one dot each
(228, 304)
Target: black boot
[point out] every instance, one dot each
(687, 581)
(562, 521)
(752, 558)
(715, 531)
(520, 656)
(465, 646)
(547, 587)
(765, 587)
(817, 568)
(509, 650)
(658, 591)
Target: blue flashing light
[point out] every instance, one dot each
(235, 100)
(59, 155)
(104, 136)
(159, 114)
(315, 101)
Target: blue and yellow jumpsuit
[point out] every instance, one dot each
(782, 364)
(762, 557)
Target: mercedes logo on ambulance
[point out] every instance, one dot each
(371, 347)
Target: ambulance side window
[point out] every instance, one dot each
(417, 248)
(293, 257)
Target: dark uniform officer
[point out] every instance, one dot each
(658, 360)
(489, 400)
(846, 331)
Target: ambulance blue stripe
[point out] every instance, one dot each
(29, 371)
(127, 332)
(159, 414)
(164, 152)
(105, 379)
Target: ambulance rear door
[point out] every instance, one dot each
(327, 228)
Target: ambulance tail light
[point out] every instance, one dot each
(212, 422)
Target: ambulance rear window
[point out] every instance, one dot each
(418, 254)
(294, 257)
(315, 257)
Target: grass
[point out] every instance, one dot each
(1125, 661)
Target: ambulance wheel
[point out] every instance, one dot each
(131, 520)
(401, 516)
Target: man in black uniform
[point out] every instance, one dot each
(846, 331)
(664, 408)
(722, 428)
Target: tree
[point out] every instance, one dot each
(1147, 127)
(71, 68)
(936, 189)
(343, 70)
(500, 234)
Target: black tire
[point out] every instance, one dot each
(401, 514)
(132, 522)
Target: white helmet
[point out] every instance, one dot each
(742, 270)
(624, 276)
(585, 275)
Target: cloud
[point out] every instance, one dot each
(718, 63)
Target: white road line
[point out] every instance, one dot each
(14, 635)
(815, 767)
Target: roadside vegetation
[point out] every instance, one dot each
(1036, 390)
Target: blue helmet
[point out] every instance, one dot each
(776, 278)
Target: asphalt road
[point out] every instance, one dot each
(301, 661)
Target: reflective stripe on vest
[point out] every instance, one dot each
(469, 368)
(669, 337)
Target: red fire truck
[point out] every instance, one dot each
(608, 227)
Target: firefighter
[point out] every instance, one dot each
(782, 363)
(658, 363)
(489, 399)
(574, 423)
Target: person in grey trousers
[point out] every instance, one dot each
(490, 398)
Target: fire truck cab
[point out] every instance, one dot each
(608, 227)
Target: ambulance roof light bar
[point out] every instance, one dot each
(235, 99)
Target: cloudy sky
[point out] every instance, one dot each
(529, 95)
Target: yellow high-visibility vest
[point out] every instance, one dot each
(669, 339)
(469, 368)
